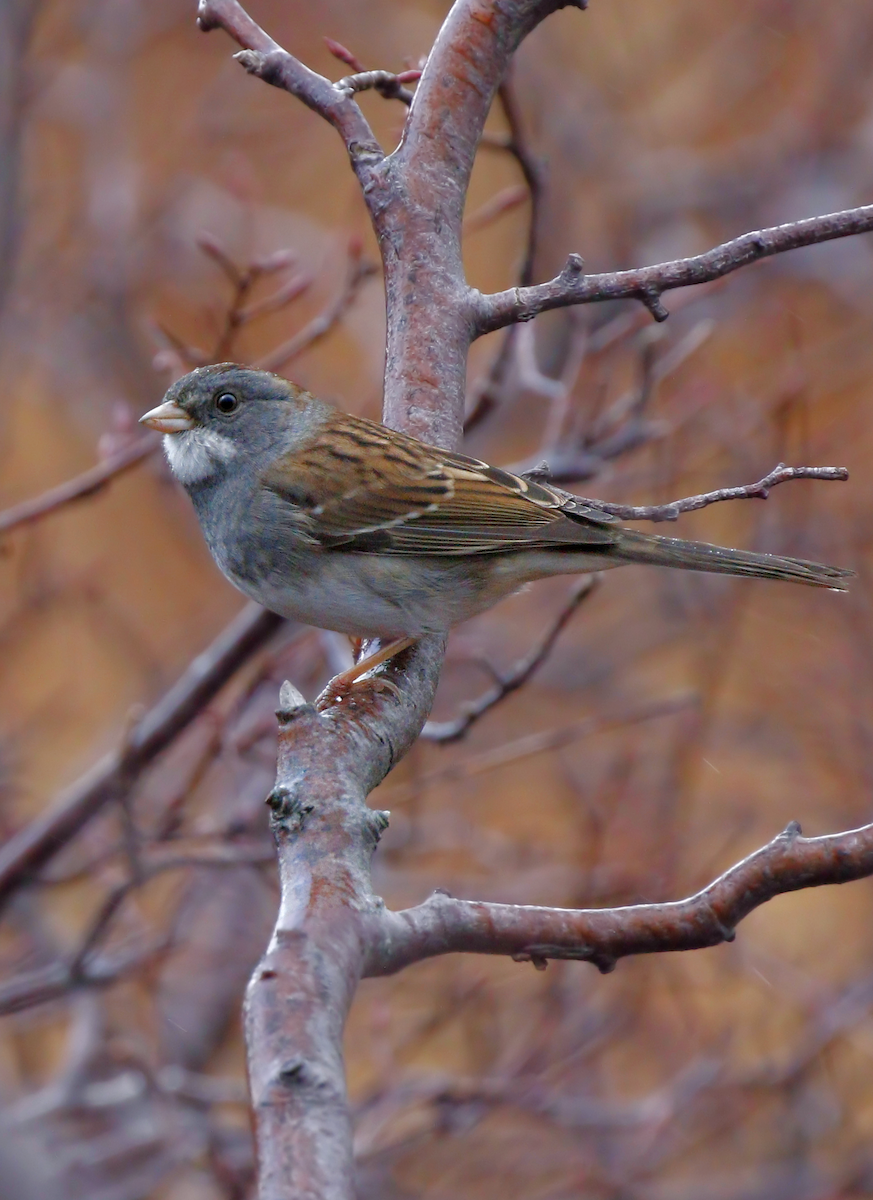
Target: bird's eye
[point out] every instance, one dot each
(226, 403)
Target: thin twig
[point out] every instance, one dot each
(504, 201)
(749, 491)
(79, 487)
(358, 270)
(514, 143)
(537, 743)
(386, 83)
(516, 677)
(265, 58)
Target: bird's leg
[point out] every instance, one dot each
(340, 684)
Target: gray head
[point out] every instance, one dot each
(228, 413)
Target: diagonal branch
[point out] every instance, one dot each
(113, 776)
(444, 925)
(79, 487)
(265, 58)
(451, 731)
(646, 284)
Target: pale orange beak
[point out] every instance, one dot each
(168, 418)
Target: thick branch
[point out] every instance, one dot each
(646, 284)
(431, 319)
(113, 776)
(300, 993)
(443, 925)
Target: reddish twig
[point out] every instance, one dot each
(647, 284)
(505, 201)
(444, 925)
(29, 849)
(385, 83)
(537, 743)
(749, 491)
(79, 487)
(516, 677)
(358, 270)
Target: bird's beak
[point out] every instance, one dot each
(168, 418)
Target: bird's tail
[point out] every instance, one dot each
(634, 546)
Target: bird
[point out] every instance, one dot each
(342, 523)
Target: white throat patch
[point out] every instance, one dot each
(194, 454)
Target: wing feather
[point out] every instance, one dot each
(357, 479)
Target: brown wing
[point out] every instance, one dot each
(361, 486)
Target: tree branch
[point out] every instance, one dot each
(646, 284)
(516, 677)
(79, 487)
(299, 995)
(112, 777)
(265, 58)
(444, 925)
(357, 271)
(749, 491)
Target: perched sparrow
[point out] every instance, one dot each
(342, 523)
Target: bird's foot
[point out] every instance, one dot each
(340, 687)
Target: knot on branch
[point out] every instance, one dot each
(386, 83)
(291, 704)
(541, 471)
(651, 298)
(205, 19)
(378, 820)
(297, 1073)
(574, 268)
(288, 809)
(251, 61)
(267, 67)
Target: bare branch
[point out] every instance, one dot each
(299, 995)
(386, 83)
(749, 491)
(265, 58)
(443, 925)
(517, 676)
(504, 201)
(538, 743)
(357, 271)
(515, 143)
(79, 487)
(29, 849)
(646, 284)
(531, 169)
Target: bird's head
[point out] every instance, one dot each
(228, 414)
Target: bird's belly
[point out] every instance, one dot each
(367, 595)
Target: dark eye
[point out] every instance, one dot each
(226, 403)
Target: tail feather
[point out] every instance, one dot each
(634, 546)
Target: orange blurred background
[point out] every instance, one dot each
(737, 1072)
